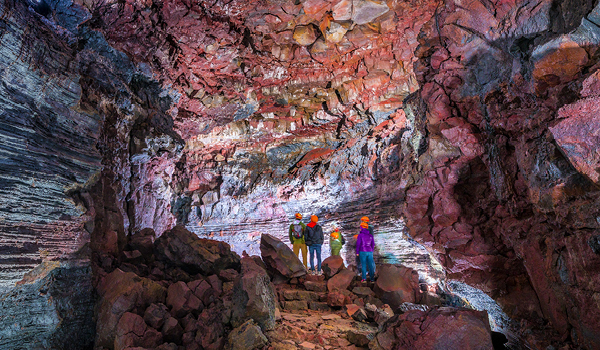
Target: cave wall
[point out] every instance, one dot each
(515, 213)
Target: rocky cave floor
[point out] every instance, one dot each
(180, 291)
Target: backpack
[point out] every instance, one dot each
(297, 231)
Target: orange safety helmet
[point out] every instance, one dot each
(335, 235)
(364, 225)
(314, 218)
(364, 219)
(298, 216)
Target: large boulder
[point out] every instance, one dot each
(439, 328)
(253, 296)
(247, 336)
(341, 281)
(332, 265)
(180, 247)
(119, 293)
(279, 258)
(396, 285)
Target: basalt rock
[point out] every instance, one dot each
(396, 285)
(279, 258)
(340, 281)
(253, 296)
(332, 265)
(122, 292)
(180, 247)
(447, 328)
(247, 336)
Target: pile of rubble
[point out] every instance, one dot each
(182, 292)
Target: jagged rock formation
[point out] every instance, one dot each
(470, 123)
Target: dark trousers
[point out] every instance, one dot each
(315, 248)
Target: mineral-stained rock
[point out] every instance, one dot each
(181, 300)
(318, 306)
(340, 281)
(362, 291)
(143, 241)
(203, 291)
(228, 275)
(396, 285)
(180, 247)
(315, 286)
(365, 11)
(360, 315)
(294, 305)
(211, 331)
(253, 296)
(360, 338)
(572, 136)
(305, 35)
(132, 331)
(53, 305)
(155, 315)
(172, 330)
(247, 336)
(279, 258)
(121, 292)
(337, 299)
(447, 328)
(332, 265)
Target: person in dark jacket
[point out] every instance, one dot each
(314, 238)
(365, 245)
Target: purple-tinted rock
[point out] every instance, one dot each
(180, 247)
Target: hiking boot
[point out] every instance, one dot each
(319, 273)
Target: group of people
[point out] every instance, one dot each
(310, 237)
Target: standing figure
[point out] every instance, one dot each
(365, 245)
(314, 240)
(366, 219)
(297, 232)
(336, 241)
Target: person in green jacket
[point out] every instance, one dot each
(336, 241)
(297, 229)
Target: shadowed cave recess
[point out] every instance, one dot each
(467, 131)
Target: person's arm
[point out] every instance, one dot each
(358, 242)
(290, 233)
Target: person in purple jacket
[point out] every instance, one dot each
(365, 244)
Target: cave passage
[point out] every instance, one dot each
(154, 153)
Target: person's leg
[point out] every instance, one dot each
(318, 246)
(371, 265)
(358, 266)
(296, 249)
(311, 248)
(363, 264)
(304, 254)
